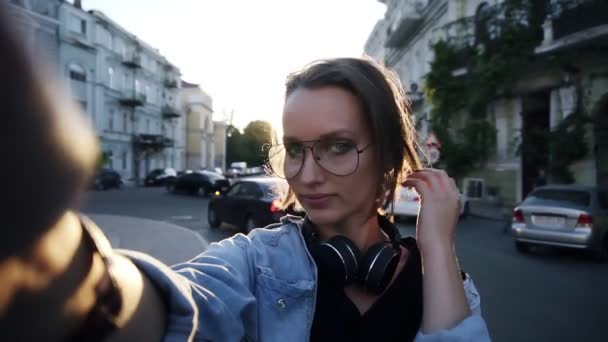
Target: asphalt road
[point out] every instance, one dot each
(548, 295)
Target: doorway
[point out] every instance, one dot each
(535, 146)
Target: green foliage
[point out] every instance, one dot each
(567, 145)
(504, 45)
(248, 146)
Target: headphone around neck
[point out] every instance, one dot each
(342, 263)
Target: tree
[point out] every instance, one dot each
(248, 146)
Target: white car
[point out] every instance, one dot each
(408, 204)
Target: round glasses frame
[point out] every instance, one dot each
(312, 152)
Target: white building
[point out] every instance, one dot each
(128, 90)
(200, 143)
(138, 116)
(541, 98)
(37, 22)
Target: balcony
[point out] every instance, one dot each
(152, 141)
(575, 26)
(579, 18)
(132, 61)
(170, 82)
(402, 29)
(170, 112)
(131, 98)
(459, 33)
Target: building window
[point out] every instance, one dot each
(111, 120)
(124, 160)
(125, 121)
(148, 126)
(149, 94)
(111, 77)
(78, 25)
(77, 73)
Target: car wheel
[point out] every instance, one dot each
(201, 191)
(170, 188)
(212, 218)
(249, 224)
(522, 247)
(99, 186)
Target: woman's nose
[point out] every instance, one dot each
(311, 171)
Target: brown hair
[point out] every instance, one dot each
(386, 110)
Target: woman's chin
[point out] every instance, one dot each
(322, 216)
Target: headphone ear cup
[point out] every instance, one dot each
(378, 267)
(337, 259)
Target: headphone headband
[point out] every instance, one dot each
(311, 235)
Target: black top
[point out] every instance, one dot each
(395, 316)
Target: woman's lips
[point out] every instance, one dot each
(316, 201)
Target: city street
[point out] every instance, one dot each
(548, 295)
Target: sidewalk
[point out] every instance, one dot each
(167, 242)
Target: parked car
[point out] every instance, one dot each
(563, 216)
(200, 182)
(106, 179)
(232, 173)
(249, 203)
(408, 204)
(158, 177)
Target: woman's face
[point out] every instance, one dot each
(335, 117)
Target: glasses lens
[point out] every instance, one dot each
(286, 160)
(336, 156)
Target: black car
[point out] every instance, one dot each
(106, 179)
(158, 177)
(197, 183)
(249, 203)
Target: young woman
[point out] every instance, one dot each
(343, 273)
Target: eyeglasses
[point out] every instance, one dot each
(339, 157)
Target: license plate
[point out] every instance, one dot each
(548, 221)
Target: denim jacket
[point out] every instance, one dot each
(259, 287)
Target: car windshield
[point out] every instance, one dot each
(578, 198)
(212, 175)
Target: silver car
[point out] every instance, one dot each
(565, 216)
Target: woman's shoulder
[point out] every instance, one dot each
(288, 228)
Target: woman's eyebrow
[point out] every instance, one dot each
(332, 134)
(338, 133)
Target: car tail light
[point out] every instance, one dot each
(416, 199)
(275, 206)
(518, 216)
(585, 221)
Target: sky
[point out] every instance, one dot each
(240, 51)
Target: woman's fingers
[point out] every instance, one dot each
(421, 186)
(437, 180)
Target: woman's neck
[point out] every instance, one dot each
(363, 231)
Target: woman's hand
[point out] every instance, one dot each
(444, 300)
(439, 210)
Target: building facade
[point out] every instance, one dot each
(37, 22)
(541, 98)
(205, 144)
(138, 117)
(128, 90)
